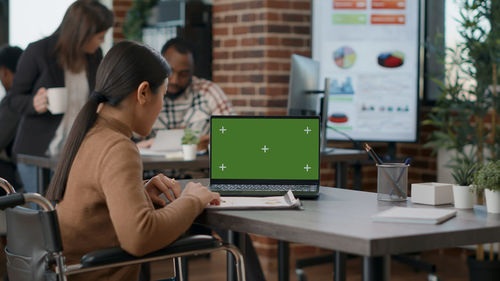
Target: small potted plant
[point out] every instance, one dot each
(189, 144)
(463, 174)
(487, 179)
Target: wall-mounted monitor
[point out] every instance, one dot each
(370, 51)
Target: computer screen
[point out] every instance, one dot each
(261, 147)
(304, 78)
(370, 51)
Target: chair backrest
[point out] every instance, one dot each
(27, 247)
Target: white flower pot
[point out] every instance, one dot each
(463, 197)
(189, 151)
(492, 201)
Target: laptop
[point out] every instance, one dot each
(265, 155)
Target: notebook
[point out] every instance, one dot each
(415, 215)
(265, 155)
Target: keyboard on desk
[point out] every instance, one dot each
(301, 191)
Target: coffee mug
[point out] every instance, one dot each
(58, 100)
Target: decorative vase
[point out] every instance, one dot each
(463, 197)
(189, 151)
(492, 201)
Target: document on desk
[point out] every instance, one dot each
(287, 201)
(167, 144)
(415, 215)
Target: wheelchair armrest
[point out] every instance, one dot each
(11, 200)
(117, 254)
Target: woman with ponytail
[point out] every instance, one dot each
(102, 199)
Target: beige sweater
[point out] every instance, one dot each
(106, 205)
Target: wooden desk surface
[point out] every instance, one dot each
(340, 220)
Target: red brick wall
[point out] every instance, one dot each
(120, 8)
(253, 41)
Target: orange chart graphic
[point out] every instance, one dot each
(389, 4)
(349, 4)
(388, 19)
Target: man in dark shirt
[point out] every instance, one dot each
(8, 117)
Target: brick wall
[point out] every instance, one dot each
(120, 8)
(252, 44)
(253, 41)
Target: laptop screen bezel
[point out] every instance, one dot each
(263, 181)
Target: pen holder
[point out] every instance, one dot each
(392, 181)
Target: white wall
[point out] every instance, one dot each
(31, 20)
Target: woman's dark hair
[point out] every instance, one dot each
(82, 20)
(124, 67)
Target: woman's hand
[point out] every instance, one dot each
(203, 193)
(162, 184)
(40, 101)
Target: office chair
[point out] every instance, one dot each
(34, 246)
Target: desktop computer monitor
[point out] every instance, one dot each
(304, 80)
(304, 94)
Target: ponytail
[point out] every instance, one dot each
(84, 121)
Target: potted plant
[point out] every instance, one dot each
(136, 18)
(487, 179)
(189, 144)
(463, 174)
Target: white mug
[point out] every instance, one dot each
(58, 100)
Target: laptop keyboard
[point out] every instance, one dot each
(263, 187)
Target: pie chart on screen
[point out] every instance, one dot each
(344, 57)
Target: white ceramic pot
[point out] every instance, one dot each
(189, 151)
(492, 201)
(463, 197)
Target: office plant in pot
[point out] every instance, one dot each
(463, 174)
(189, 144)
(465, 117)
(487, 179)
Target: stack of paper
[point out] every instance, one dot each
(415, 215)
(287, 201)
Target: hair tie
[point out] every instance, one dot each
(98, 97)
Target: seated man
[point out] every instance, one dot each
(190, 101)
(9, 118)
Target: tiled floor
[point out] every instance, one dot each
(450, 263)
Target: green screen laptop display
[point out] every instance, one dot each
(267, 148)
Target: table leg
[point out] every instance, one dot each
(341, 175)
(339, 272)
(358, 174)
(231, 272)
(40, 180)
(376, 268)
(283, 261)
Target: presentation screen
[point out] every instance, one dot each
(369, 49)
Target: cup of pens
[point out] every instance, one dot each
(392, 181)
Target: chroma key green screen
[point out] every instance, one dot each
(264, 148)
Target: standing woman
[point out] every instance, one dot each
(103, 201)
(67, 58)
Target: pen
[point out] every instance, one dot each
(372, 154)
(379, 161)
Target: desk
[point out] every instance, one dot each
(339, 156)
(44, 164)
(340, 220)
